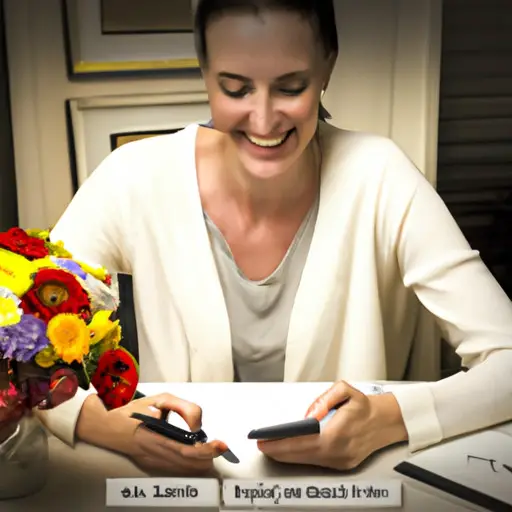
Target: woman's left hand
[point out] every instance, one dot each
(361, 426)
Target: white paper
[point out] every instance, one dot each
(368, 388)
(163, 492)
(478, 462)
(312, 493)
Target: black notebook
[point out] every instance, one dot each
(476, 468)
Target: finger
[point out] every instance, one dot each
(336, 395)
(210, 450)
(190, 412)
(293, 449)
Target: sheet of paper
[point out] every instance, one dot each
(481, 462)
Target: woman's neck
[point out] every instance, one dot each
(278, 197)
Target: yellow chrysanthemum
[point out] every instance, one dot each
(100, 326)
(69, 336)
(10, 313)
(15, 272)
(47, 357)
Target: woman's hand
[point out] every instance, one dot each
(151, 452)
(361, 426)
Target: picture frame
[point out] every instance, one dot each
(92, 51)
(157, 17)
(96, 124)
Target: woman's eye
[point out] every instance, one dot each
(239, 93)
(292, 91)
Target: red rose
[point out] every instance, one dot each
(55, 291)
(17, 241)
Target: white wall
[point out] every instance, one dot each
(386, 81)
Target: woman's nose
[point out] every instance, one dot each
(262, 117)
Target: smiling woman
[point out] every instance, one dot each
(271, 246)
(269, 103)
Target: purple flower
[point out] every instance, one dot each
(22, 341)
(70, 266)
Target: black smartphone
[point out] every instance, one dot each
(160, 426)
(304, 427)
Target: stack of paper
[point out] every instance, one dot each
(476, 467)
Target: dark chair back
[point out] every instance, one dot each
(126, 315)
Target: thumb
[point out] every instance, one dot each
(333, 398)
(165, 403)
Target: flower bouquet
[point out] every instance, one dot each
(58, 330)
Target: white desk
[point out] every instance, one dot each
(76, 480)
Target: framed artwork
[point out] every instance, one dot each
(128, 37)
(97, 126)
(146, 16)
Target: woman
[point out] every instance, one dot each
(276, 247)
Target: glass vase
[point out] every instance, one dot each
(24, 460)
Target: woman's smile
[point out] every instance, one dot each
(269, 148)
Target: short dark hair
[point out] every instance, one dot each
(320, 13)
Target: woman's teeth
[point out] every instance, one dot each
(267, 143)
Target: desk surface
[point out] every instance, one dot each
(76, 479)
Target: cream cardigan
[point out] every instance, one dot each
(387, 264)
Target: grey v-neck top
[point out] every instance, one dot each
(259, 311)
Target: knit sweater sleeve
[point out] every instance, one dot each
(473, 312)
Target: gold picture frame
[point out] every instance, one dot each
(90, 51)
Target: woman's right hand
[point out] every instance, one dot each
(117, 431)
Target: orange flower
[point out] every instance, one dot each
(69, 336)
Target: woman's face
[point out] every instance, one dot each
(264, 76)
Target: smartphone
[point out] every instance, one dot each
(304, 427)
(160, 426)
(307, 426)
